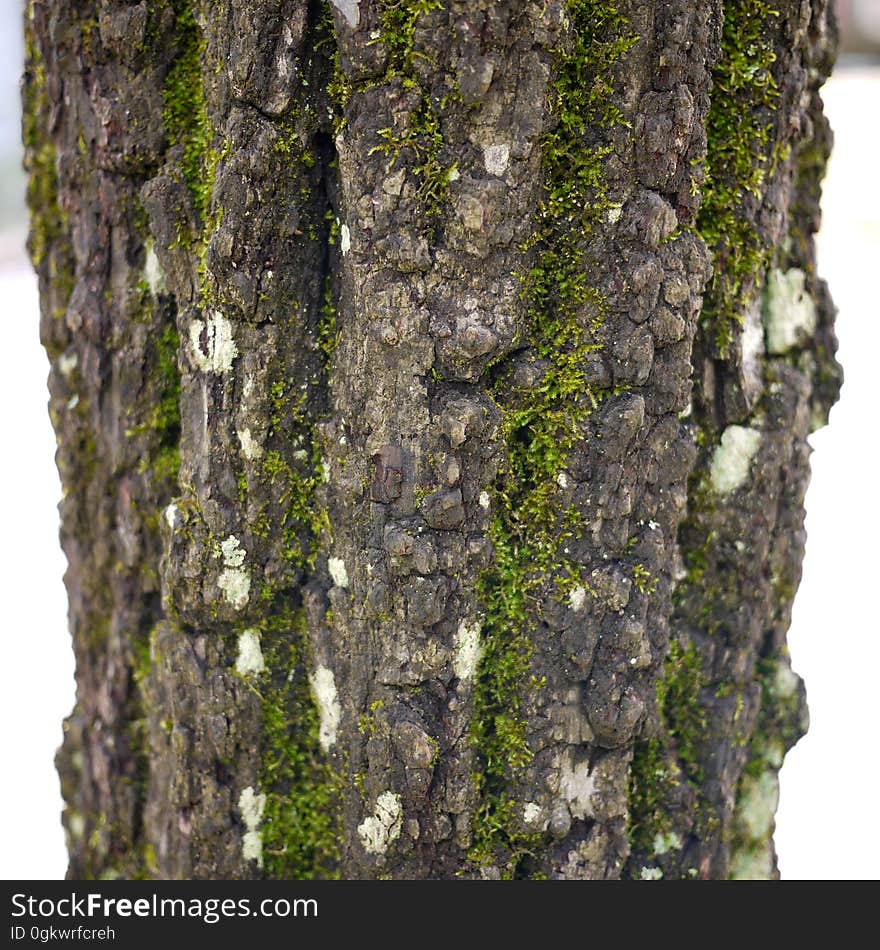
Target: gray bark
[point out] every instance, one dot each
(432, 383)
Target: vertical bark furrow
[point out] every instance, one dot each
(602, 626)
(428, 300)
(240, 786)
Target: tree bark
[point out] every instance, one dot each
(432, 381)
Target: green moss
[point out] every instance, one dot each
(653, 782)
(740, 157)
(185, 114)
(301, 820)
(304, 522)
(301, 831)
(679, 697)
(422, 137)
(644, 580)
(162, 418)
(49, 226)
(327, 336)
(399, 21)
(661, 763)
(541, 425)
(140, 862)
(781, 722)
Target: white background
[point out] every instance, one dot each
(827, 826)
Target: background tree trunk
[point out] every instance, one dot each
(432, 381)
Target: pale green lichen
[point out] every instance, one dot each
(154, 275)
(576, 787)
(468, 651)
(496, 158)
(789, 310)
(350, 10)
(249, 661)
(67, 363)
(756, 805)
(323, 685)
(170, 515)
(250, 448)
(577, 597)
(251, 807)
(380, 830)
(665, 842)
(232, 552)
(338, 571)
(732, 459)
(234, 579)
(212, 344)
(754, 865)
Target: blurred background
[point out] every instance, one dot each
(827, 823)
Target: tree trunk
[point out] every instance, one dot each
(432, 381)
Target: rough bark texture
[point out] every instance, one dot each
(432, 381)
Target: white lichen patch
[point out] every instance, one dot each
(532, 813)
(756, 805)
(236, 586)
(338, 571)
(212, 345)
(250, 448)
(153, 273)
(650, 874)
(468, 650)
(344, 239)
(756, 865)
(232, 552)
(785, 682)
(577, 597)
(350, 10)
(323, 685)
(496, 158)
(76, 824)
(612, 215)
(664, 843)
(576, 786)
(562, 480)
(789, 310)
(730, 464)
(67, 364)
(752, 344)
(484, 500)
(170, 515)
(251, 806)
(250, 660)
(234, 580)
(381, 829)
